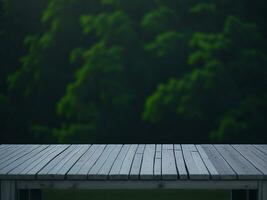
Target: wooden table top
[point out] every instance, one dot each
(133, 161)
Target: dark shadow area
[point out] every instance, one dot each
(136, 194)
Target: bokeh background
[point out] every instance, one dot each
(133, 71)
(142, 71)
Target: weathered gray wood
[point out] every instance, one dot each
(252, 156)
(260, 154)
(56, 163)
(8, 153)
(28, 164)
(86, 162)
(243, 168)
(4, 147)
(221, 166)
(71, 161)
(9, 149)
(137, 162)
(179, 158)
(8, 190)
(196, 167)
(32, 170)
(212, 170)
(262, 193)
(141, 148)
(133, 161)
(16, 155)
(58, 170)
(262, 148)
(147, 168)
(209, 165)
(21, 160)
(168, 162)
(158, 160)
(127, 162)
(115, 170)
(105, 169)
(92, 174)
(81, 162)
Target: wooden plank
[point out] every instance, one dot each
(168, 162)
(86, 162)
(56, 162)
(71, 161)
(21, 160)
(259, 153)
(2, 146)
(115, 170)
(137, 162)
(127, 162)
(262, 148)
(196, 167)
(92, 174)
(81, 161)
(16, 155)
(158, 160)
(253, 157)
(141, 148)
(147, 168)
(221, 166)
(57, 170)
(105, 169)
(28, 164)
(243, 168)
(5, 147)
(211, 168)
(40, 163)
(179, 158)
(10, 152)
(9, 149)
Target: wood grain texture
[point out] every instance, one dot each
(118, 162)
(158, 162)
(127, 162)
(195, 166)
(116, 168)
(137, 162)
(147, 168)
(253, 156)
(222, 167)
(86, 162)
(207, 161)
(243, 168)
(4, 171)
(180, 163)
(92, 174)
(169, 170)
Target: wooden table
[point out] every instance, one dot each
(26, 169)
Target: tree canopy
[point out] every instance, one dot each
(133, 71)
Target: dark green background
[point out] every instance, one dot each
(143, 71)
(133, 71)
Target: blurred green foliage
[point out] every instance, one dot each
(119, 71)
